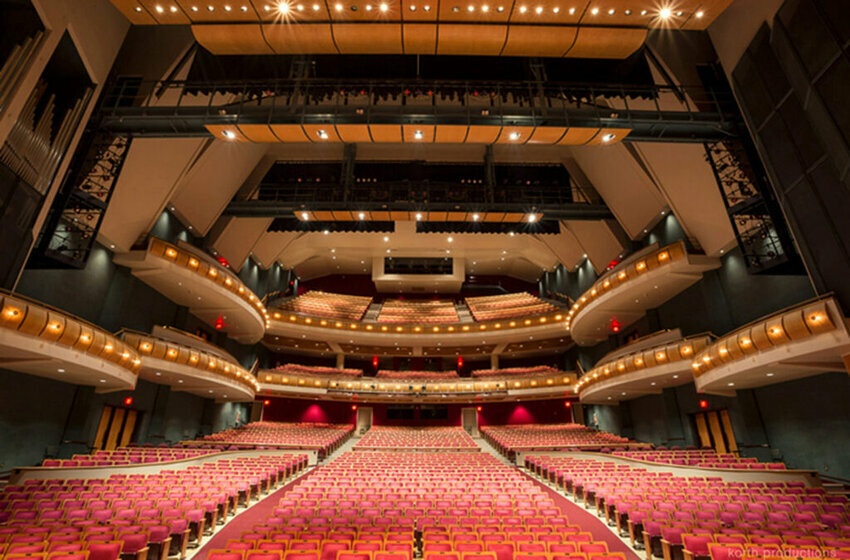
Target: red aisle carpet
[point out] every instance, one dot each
(589, 522)
(246, 520)
(243, 522)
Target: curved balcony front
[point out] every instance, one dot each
(463, 390)
(535, 334)
(646, 370)
(47, 342)
(623, 295)
(804, 340)
(191, 279)
(189, 369)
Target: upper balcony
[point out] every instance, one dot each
(522, 325)
(41, 340)
(327, 385)
(622, 296)
(190, 278)
(191, 367)
(644, 367)
(807, 339)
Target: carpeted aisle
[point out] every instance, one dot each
(588, 522)
(245, 521)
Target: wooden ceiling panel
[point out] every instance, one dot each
(701, 16)
(482, 134)
(494, 216)
(473, 11)
(451, 133)
(289, 132)
(300, 39)
(460, 39)
(134, 12)
(528, 40)
(223, 11)
(259, 133)
(385, 132)
(547, 135)
(232, 39)
(323, 215)
(219, 133)
(604, 137)
(578, 136)
(606, 42)
(515, 135)
(166, 12)
(354, 132)
(418, 134)
(420, 38)
(547, 12)
(418, 10)
(367, 38)
(321, 133)
(400, 216)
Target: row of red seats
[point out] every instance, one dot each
(324, 304)
(699, 458)
(385, 437)
(416, 375)
(517, 371)
(509, 439)
(127, 456)
(656, 506)
(488, 308)
(298, 369)
(132, 514)
(301, 435)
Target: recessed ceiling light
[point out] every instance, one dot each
(386, 238)
(229, 134)
(361, 216)
(770, 374)
(326, 232)
(611, 12)
(384, 7)
(538, 9)
(138, 9)
(338, 7)
(471, 8)
(418, 135)
(475, 217)
(700, 13)
(450, 239)
(418, 216)
(60, 370)
(594, 11)
(532, 218)
(227, 8)
(572, 11)
(514, 135)
(500, 9)
(485, 8)
(608, 137)
(556, 9)
(523, 9)
(665, 13)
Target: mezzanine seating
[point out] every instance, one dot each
(284, 435)
(660, 511)
(698, 458)
(507, 306)
(411, 311)
(128, 456)
(444, 438)
(439, 506)
(509, 439)
(324, 304)
(298, 369)
(517, 371)
(416, 375)
(134, 515)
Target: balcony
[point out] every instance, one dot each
(190, 369)
(623, 295)
(804, 340)
(190, 278)
(644, 367)
(44, 341)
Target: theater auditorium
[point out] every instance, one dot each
(424, 279)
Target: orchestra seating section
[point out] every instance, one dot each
(283, 435)
(417, 375)
(128, 456)
(698, 458)
(512, 372)
(324, 304)
(436, 506)
(411, 311)
(508, 306)
(510, 439)
(298, 369)
(135, 515)
(701, 517)
(440, 438)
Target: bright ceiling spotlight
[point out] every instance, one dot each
(514, 136)
(384, 7)
(532, 218)
(305, 216)
(283, 8)
(361, 215)
(608, 137)
(418, 135)
(700, 13)
(322, 134)
(665, 13)
(229, 134)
